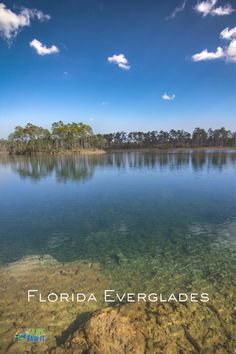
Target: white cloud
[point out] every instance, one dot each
(66, 75)
(205, 7)
(231, 51)
(178, 9)
(11, 23)
(120, 60)
(42, 49)
(168, 97)
(208, 8)
(228, 33)
(228, 52)
(38, 14)
(223, 10)
(205, 55)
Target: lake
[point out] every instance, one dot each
(145, 212)
(149, 222)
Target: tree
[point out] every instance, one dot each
(77, 136)
(221, 136)
(71, 136)
(3, 145)
(199, 137)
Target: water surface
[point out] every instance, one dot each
(151, 219)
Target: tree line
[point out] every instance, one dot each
(79, 136)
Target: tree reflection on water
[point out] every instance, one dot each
(82, 167)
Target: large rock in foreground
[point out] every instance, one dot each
(153, 328)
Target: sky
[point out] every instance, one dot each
(118, 65)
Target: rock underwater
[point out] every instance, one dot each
(152, 328)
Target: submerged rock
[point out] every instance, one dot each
(153, 329)
(47, 275)
(88, 327)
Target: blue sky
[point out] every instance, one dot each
(118, 65)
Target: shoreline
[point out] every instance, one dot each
(122, 150)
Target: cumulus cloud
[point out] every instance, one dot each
(119, 60)
(223, 10)
(228, 52)
(228, 33)
(205, 7)
(11, 23)
(208, 8)
(178, 9)
(231, 51)
(168, 97)
(42, 49)
(205, 55)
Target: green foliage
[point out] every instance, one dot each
(71, 136)
(30, 139)
(171, 139)
(76, 136)
(3, 145)
(33, 139)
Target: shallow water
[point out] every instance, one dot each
(153, 220)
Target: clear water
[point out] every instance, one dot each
(150, 219)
